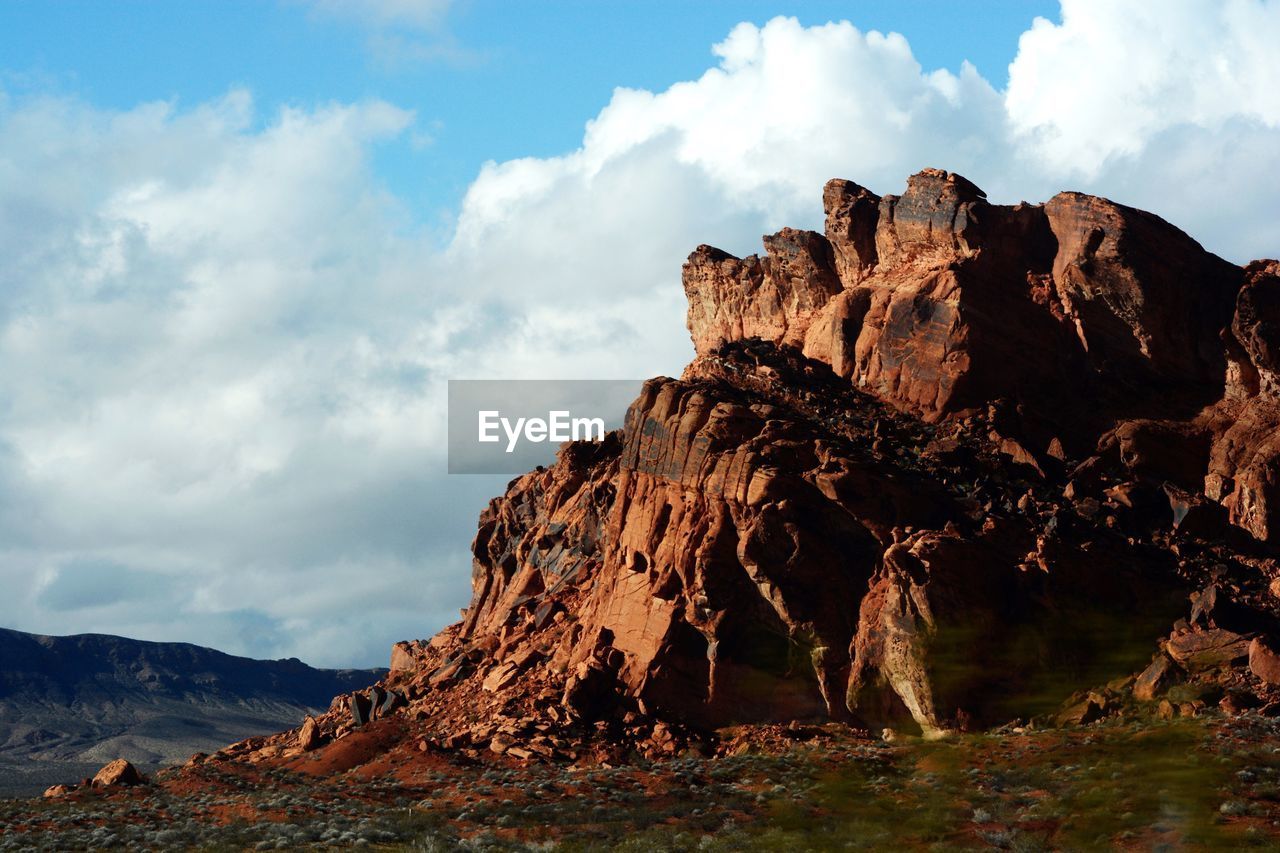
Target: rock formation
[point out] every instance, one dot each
(946, 465)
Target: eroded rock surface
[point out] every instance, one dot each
(947, 465)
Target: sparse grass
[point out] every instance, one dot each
(1186, 784)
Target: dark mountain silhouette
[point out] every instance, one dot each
(68, 704)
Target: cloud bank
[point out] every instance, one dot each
(223, 342)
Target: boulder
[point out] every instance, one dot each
(1264, 662)
(309, 735)
(589, 693)
(361, 709)
(1198, 650)
(117, 773)
(500, 677)
(404, 656)
(1154, 679)
(1081, 713)
(377, 697)
(392, 701)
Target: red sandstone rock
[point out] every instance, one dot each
(864, 500)
(1197, 650)
(404, 655)
(1244, 466)
(1264, 662)
(948, 300)
(1146, 299)
(852, 215)
(118, 772)
(773, 298)
(1153, 679)
(713, 555)
(309, 736)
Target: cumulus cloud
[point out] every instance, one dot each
(1173, 106)
(221, 351)
(1109, 79)
(785, 108)
(223, 343)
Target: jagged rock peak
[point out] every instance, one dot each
(936, 301)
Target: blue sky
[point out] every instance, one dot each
(501, 79)
(247, 244)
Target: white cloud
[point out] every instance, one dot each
(786, 108)
(219, 349)
(1112, 77)
(223, 345)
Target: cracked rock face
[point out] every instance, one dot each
(905, 481)
(751, 553)
(943, 466)
(947, 301)
(762, 542)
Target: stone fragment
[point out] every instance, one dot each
(391, 702)
(1263, 661)
(446, 673)
(1197, 650)
(1153, 679)
(1081, 713)
(404, 656)
(377, 695)
(309, 734)
(361, 709)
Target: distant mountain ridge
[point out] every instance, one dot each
(78, 701)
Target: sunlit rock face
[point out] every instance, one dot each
(851, 505)
(936, 468)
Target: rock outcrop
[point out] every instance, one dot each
(949, 464)
(773, 298)
(1243, 472)
(948, 302)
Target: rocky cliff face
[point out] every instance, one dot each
(947, 302)
(1243, 471)
(934, 469)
